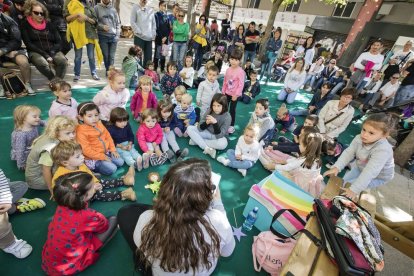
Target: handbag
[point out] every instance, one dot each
(14, 85)
(164, 50)
(334, 118)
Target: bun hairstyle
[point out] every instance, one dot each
(58, 84)
(113, 73)
(72, 189)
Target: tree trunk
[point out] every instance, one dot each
(190, 13)
(269, 25)
(116, 5)
(207, 9)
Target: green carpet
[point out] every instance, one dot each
(116, 257)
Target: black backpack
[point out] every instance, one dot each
(13, 84)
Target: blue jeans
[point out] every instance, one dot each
(129, 156)
(268, 66)
(268, 136)
(249, 55)
(361, 85)
(404, 93)
(179, 51)
(337, 88)
(198, 56)
(299, 112)
(353, 174)
(108, 167)
(238, 164)
(309, 79)
(90, 50)
(285, 96)
(108, 47)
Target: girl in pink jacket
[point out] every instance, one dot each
(233, 84)
(149, 136)
(143, 98)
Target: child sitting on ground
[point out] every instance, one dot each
(64, 104)
(287, 121)
(207, 89)
(97, 144)
(261, 117)
(187, 73)
(149, 136)
(251, 88)
(26, 130)
(218, 60)
(149, 71)
(332, 149)
(132, 68)
(143, 98)
(247, 151)
(185, 115)
(202, 73)
(76, 233)
(69, 158)
(167, 122)
(170, 80)
(248, 68)
(121, 133)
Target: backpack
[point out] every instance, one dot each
(14, 85)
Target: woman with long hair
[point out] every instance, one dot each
(272, 51)
(200, 40)
(187, 230)
(293, 81)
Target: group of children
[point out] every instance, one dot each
(92, 137)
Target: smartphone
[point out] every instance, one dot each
(215, 179)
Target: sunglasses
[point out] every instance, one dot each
(395, 77)
(332, 62)
(39, 13)
(181, 15)
(201, 19)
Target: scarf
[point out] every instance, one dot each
(35, 25)
(77, 30)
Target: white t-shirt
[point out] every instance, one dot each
(389, 88)
(367, 56)
(189, 75)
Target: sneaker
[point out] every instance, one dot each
(181, 154)
(231, 130)
(223, 160)
(191, 142)
(19, 248)
(27, 205)
(129, 177)
(30, 90)
(178, 132)
(96, 77)
(329, 165)
(309, 89)
(2, 95)
(171, 156)
(242, 171)
(138, 163)
(76, 78)
(210, 151)
(146, 159)
(129, 194)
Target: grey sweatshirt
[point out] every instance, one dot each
(264, 122)
(220, 128)
(375, 161)
(143, 22)
(107, 15)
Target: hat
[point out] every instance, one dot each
(18, 2)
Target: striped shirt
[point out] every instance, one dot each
(5, 194)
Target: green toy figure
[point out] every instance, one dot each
(154, 186)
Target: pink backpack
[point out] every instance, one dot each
(271, 252)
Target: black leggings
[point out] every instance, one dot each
(103, 195)
(232, 109)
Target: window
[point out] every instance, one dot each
(294, 7)
(344, 11)
(254, 4)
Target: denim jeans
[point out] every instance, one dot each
(169, 139)
(198, 56)
(353, 174)
(90, 50)
(404, 93)
(267, 67)
(129, 156)
(108, 47)
(337, 88)
(204, 138)
(179, 51)
(285, 96)
(309, 79)
(299, 112)
(249, 55)
(360, 86)
(238, 164)
(108, 167)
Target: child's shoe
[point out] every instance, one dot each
(138, 163)
(191, 142)
(171, 156)
(178, 132)
(181, 154)
(129, 194)
(231, 130)
(146, 160)
(129, 177)
(27, 205)
(223, 160)
(19, 248)
(185, 134)
(210, 151)
(242, 171)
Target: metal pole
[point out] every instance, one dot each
(232, 10)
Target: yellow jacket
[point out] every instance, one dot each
(62, 171)
(200, 37)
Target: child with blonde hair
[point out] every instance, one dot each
(68, 158)
(179, 91)
(143, 98)
(287, 121)
(187, 73)
(113, 95)
(149, 136)
(185, 115)
(247, 151)
(39, 163)
(26, 130)
(97, 144)
(64, 104)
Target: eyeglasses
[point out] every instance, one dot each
(181, 15)
(38, 13)
(396, 78)
(332, 62)
(201, 19)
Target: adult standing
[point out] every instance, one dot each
(55, 8)
(187, 198)
(293, 81)
(405, 54)
(11, 49)
(82, 23)
(336, 115)
(200, 41)
(272, 50)
(109, 30)
(406, 90)
(172, 17)
(163, 31)
(238, 41)
(225, 26)
(252, 37)
(144, 27)
(42, 41)
(181, 30)
(308, 51)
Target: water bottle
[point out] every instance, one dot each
(251, 219)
